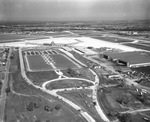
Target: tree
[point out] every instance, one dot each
(7, 90)
(11, 57)
(1, 84)
(122, 99)
(36, 105)
(46, 108)
(38, 120)
(30, 106)
(124, 117)
(58, 107)
(111, 113)
(47, 120)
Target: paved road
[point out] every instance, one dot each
(3, 93)
(95, 99)
(136, 111)
(47, 82)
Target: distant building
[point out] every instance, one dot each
(130, 59)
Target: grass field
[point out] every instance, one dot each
(14, 63)
(37, 63)
(25, 93)
(114, 100)
(139, 118)
(88, 33)
(39, 77)
(13, 37)
(138, 46)
(37, 109)
(62, 62)
(83, 98)
(112, 39)
(56, 34)
(67, 83)
(147, 44)
(21, 93)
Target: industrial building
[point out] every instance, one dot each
(130, 59)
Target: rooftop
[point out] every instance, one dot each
(131, 57)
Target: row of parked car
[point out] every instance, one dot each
(51, 52)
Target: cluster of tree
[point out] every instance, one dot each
(111, 113)
(48, 108)
(72, 72)
(124, 117)
(32, 105)
(122, 99)
(42, 121)
(7, 90)
(6, 50)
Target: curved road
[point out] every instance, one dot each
(83, 113)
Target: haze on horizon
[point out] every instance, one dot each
(74, 10)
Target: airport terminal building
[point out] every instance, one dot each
(130, 59)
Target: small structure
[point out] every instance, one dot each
(84, 50)
(122, 69)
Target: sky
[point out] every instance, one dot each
(73, 10)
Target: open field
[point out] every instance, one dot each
(139, 118)
(55, 34)
(146, 114)
(114, 100)
(20, 87)
(1, 84)
(15, 37)
(67, 83)
(138, 46)
(14, 63)
(39, 77)
(37, 109)
(83, 98)
(62, 62)
(88, 33)
(67, 35)
(37, 63)
(144, 43)
(112, 39)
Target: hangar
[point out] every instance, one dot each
(130, 59)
